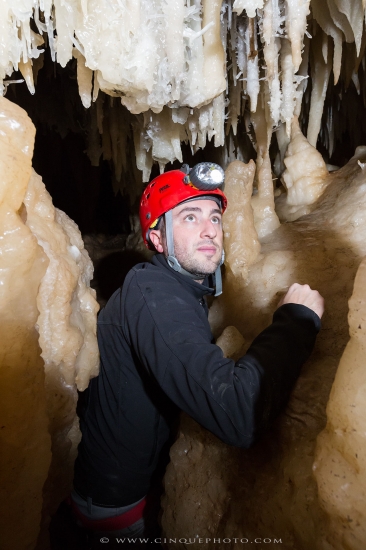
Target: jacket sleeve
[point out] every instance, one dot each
(235, 401)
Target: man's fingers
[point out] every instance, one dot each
(304, 295)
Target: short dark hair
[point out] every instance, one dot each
(160, 226)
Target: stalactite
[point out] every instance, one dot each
(296, 14)
(272, 44)
(288, 87)
(85, 79)
(265, 217)
(319, 77)
(154, 65)
(321, 13)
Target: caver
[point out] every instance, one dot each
(158, 355)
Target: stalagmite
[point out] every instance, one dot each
(49, 348)
(305, 177)
(238, 221)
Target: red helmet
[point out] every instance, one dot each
(171, 188)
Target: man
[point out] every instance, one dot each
(158, 354)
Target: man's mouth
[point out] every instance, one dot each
(207, 249)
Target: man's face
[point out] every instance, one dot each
(198, 236)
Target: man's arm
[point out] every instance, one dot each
(280, 351)
(278, 354)
(237, 402)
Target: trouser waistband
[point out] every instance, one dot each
(113, 523)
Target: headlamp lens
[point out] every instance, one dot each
(207, 176)
(216, 176)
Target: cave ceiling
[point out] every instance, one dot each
(149, 84)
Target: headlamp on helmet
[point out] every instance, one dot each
(205, 176)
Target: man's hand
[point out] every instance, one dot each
(302, 294)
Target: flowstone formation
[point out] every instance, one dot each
(341, 451)
(48, 341)
(269, 492)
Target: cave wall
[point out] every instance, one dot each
(48, 340)
(270, 492)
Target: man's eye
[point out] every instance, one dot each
(190, 218)
(215, 219)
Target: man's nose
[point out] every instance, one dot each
(208, 230)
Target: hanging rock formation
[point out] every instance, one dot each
(192, 70)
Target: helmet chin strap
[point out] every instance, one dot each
(174, 263)
(218, 278)
(171, 259)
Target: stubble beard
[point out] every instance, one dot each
(200, 268)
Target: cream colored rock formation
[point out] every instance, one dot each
(246, 246)
(270, 492)
(25, 441)
(340, 460)
(48, 341)
(305, 177)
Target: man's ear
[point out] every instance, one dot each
(155, 237)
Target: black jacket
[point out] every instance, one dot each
(158, 356)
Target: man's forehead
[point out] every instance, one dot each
(199, 204)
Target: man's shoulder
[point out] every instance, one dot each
(146, 284)
(150, 273)
(115, 304)
(156, 285)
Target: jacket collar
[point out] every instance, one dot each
(197, 289)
